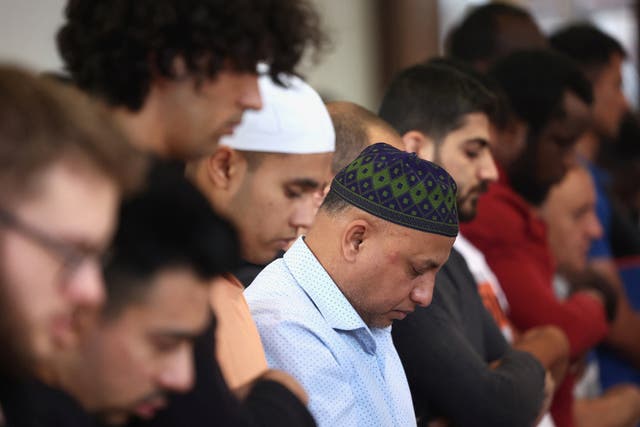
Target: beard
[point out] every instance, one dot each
(523, 176)
(528, 186)
(16, 360)
(468, 204)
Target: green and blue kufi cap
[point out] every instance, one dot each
(399, 187)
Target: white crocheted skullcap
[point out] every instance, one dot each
(293, 120)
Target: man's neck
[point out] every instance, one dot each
(144, 128)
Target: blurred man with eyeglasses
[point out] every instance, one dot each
(63, 167)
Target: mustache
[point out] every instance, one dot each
(481, 188)
(152, 397)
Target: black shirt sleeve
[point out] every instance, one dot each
(270, 404)
(442, 350)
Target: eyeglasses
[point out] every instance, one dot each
(72, 256)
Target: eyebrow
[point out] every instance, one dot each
(480, 141)
(305, 183)
(427, 265)
(175, 334)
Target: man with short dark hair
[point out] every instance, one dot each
(600, 57)
(179, 74)
(468, 358)
(168, 247)
(551, 97)
(491, 31)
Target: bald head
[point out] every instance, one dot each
(356, 128)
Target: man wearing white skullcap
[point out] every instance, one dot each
(265, 179)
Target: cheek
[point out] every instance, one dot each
(30, 284)
(127, 358)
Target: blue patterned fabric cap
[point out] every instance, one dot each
(401, 188)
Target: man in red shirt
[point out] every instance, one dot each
(549, 102)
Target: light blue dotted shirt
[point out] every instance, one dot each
(308, 328)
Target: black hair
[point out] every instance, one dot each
(476, 38)
(170, 224)
(434, 98)
(534, 83)
(114, 49)
(589, 47)
(334, 204)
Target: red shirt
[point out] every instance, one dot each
(514, 242)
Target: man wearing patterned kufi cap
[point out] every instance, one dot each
(324, 311)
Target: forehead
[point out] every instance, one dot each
(613, 68)
(415, 244)
(295, 166)
(574, 119)
(576, 189)
(73, 200)
(475, 127)
(174, 298)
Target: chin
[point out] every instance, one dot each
(114, 418)
(379, 323)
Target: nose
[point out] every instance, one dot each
(178, 373)
(250, 98)
(85, 286)
(594, 228)
(488, 169)
(624, 103)
(305, 212)
(422, 294)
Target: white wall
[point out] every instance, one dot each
(349, 71)
(27, 32)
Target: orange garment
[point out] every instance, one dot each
(238, 346)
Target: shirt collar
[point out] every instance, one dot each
(323, 291)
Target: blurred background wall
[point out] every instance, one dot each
(371, 39)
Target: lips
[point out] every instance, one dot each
(147, 410)
(401, 314)
(286, 242)
(62, 330)
(229, 128)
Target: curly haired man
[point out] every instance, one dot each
(179, 74)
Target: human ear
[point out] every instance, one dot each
(225, 167)
(417, 142)
(353, 239)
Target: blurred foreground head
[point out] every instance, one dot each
(63, 166)
(168, 248)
